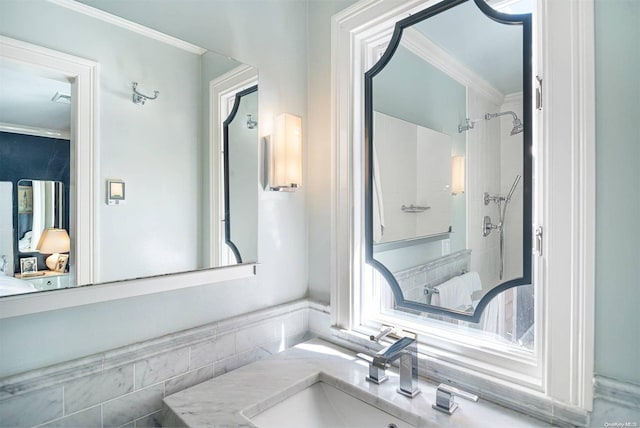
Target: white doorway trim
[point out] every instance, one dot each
(83, 76)
(221, 90)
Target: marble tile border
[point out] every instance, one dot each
(458, 259)
(616, 404)
(623, 393)
(125, 386)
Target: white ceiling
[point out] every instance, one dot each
(25, 98)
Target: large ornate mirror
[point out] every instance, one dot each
(165, 148)
(448, 158)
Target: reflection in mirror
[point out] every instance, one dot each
(241, 183)
(40, 206)
(165, 150)
(448, 166)
(6, 228)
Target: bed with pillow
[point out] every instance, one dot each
(10, 285)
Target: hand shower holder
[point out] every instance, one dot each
(487, 198)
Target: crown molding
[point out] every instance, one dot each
(129, 25)
(424, 48)
(30, 130)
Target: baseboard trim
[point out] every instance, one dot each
(620, 393)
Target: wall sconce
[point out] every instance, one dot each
(457, 175)
(53, 241)
(285, 168)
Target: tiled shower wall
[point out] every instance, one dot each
(125, 386)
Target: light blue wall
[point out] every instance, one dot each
(318, 166)
(271, 36)
(34, 341)
(411, 89)
(617, 58)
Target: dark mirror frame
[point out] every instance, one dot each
(227, 214)
(525, 21)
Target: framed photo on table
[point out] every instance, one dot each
(25, 199)
(61, 264)
(28, 265)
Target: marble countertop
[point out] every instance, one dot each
(232, 399)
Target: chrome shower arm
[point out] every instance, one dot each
(488, 116)
(518, 127)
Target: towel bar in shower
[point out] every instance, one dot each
(414, 208)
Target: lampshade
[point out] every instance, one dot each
(285, 172)
(457, 175)
(54, 241)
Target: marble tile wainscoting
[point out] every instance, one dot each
(125, 386)
(415, 280)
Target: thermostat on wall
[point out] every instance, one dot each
(115, 192)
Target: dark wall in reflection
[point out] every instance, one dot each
(36, 158)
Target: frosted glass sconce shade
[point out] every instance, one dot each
(285, 172)
(457, 175)
(53, 241)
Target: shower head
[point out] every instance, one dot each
(518, 127)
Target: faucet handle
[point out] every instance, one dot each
(445, 398)
(385, 330)
(377, 374)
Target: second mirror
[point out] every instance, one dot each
(448, 159)
(240, 182)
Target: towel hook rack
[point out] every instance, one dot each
(414, 208)
(140, 98)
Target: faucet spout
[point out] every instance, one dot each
(405, 350)
(391, 353)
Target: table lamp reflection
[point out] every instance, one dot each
(54, 242)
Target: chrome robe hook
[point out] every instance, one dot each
(140, 98)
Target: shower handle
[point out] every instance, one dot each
(487, 226)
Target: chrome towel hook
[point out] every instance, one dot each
(251, 124)
(139, 98)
